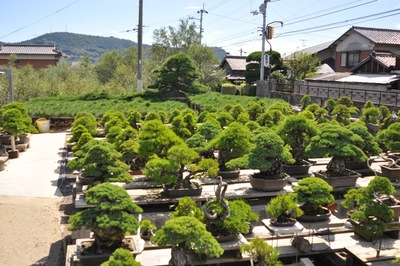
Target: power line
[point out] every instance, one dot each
(306, 30)
(24, 27)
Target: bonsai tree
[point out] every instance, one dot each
(134, 118)
(305, 101)
(284, 208)
(341, 144)
(180, 165)
(199, 141)
(100, 162)
(232, 143)
(25, 119)
(315, 194)
(390, 137)
(12, 122)
(261, 253)
(88, 120)
(227, 218)
(147, 228)
(187, 207)
(110, 220)
(368, 208)
(121, 257)
(370, 144)
(370, 113)
(267, 155)
(186, 234)
(297, 131)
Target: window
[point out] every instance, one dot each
(353, 59)
(343, 60)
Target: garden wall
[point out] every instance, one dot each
(320, 91)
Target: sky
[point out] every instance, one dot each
(233, 25)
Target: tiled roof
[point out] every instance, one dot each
(387, 59)
(381, 36)
(29, 49)
(237, 62)
(317, 48)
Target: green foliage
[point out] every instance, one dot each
(15, 119)
(370, 145)
(314, 192)
(102, 163)
(232, 143)
(338, 142)
(301, 63)
(305, 101)
(284, 206)
(363, 204)
(228, 88)
(297, 131)
(121, 257)
(261, 252)
(190, 233)
(112, 216)
(390, 137)
(342, 113)
(330, 104)
(187, 207)
(178, 74)
(86, 119)
(267, 155)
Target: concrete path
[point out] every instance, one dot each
(35, 173)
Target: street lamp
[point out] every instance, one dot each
(8, 73)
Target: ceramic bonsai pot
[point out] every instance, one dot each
(296, 169)
(263, 184)
(339, 181)
(392, 173)
(234, 174)
(13, 154)
(315, 218)
(182, 192)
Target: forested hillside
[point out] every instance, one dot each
(76, 45)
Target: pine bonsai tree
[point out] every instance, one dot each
(121, 257)
(186, 233)
(111, 218)
(261, 253)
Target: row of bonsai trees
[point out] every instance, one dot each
(175, 150)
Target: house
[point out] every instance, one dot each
(38, 56)
(355, 45)
(235, 66)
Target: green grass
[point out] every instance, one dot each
(68, 106)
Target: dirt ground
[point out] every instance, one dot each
(32, 231)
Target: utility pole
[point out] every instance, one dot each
(201, 20)
(140, 44)
(263, 10)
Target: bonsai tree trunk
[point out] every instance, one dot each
(337, 166)
(106, 238)
(12, 139)
(179, 256)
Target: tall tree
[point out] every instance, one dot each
(178, 74)
(301, 63)
(252, 72)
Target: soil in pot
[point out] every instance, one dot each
(287, 223)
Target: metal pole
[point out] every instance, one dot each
(201, 20)
(140, 44)
(8, 73)
(263, 10)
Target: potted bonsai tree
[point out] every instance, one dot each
(186, 234)
(341, 144)
(12, 122)
(177, 170)
(121, 257)
(369, 146)
(111, 219)
(390, 138)
(267, 155)
(284, 209)
(370, 207)
(147, 228)
(261, 253)
(226, 219)
(100, 162)
(314, 194)
(297, 131)
(232, 143)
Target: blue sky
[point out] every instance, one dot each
(229, 24)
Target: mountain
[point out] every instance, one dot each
(76, 45)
